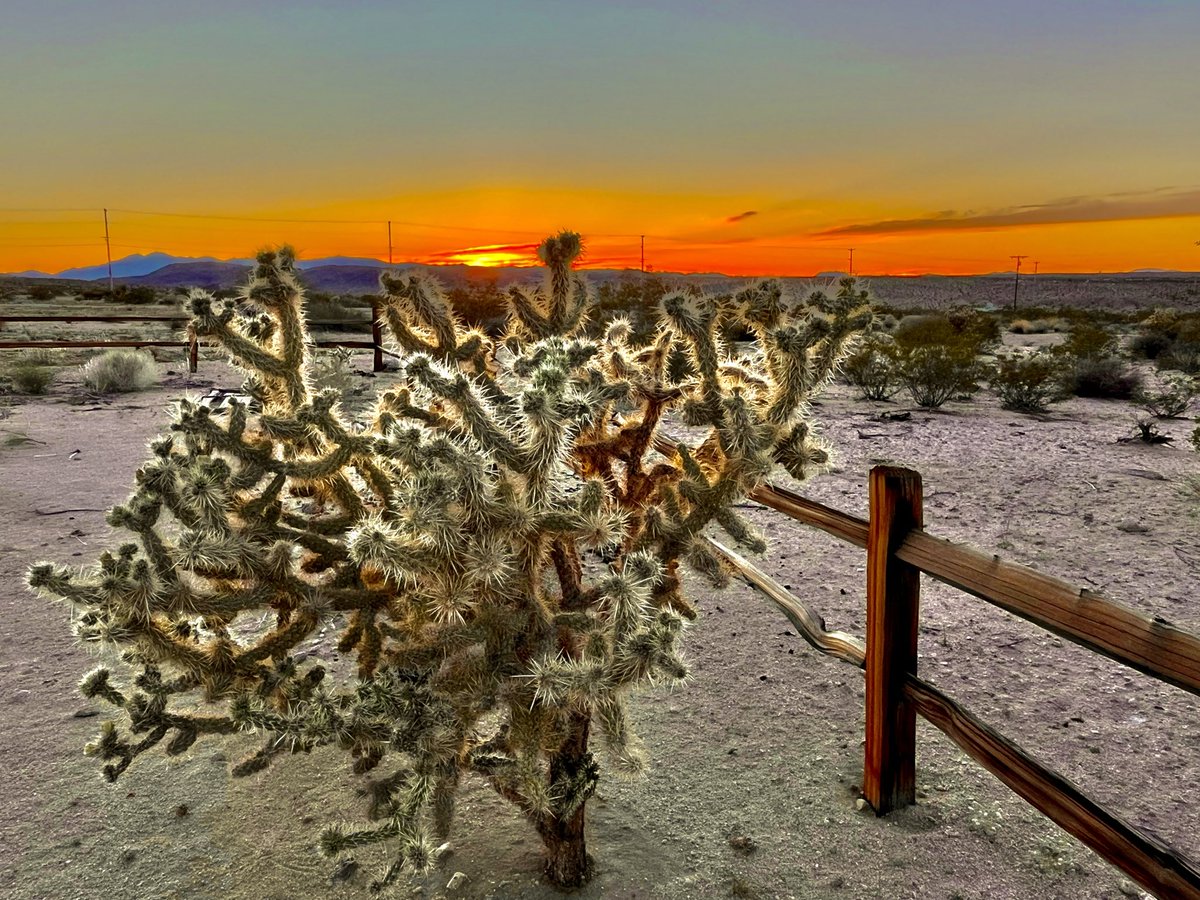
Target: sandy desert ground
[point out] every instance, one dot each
(756, 762)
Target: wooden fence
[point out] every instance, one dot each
(191, 341)
(898, 551)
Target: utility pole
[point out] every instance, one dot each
(108, 252)
(389, 242)
(1017, 280)
(643, 254)
(850, 273)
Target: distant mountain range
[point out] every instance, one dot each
(138, 265)
(358, 274)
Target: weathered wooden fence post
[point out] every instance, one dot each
(193, 349)
(893, 600)
(376, 337)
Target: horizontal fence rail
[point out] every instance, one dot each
(1150, 645)
(192, 343)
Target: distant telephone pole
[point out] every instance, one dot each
(643, 254)
(108, 251)
(389, 242)
(1017, 279)
(850, 273)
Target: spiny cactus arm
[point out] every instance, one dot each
(109, 745)
(413, 296)
(274, 287)
(624, 749)
(565, 302)
(474, 413)
(278, 642)
(741, 531)
(801, 454)
(694, 319)
(526, 318)
(239, 347)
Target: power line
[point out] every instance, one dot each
(304, 221)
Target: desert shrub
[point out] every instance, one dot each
(43, 292)
(871, 367)
(924, 329)
(120, 371)
(1180, 357)
(134, 294)
(1149, 345)
(1036, 326)
(29, 377)
(935, 357)
(1170, 398)
(964, 329)
(1162, 319)
(449, 546)
(975, 326)
(1106, 377)
(1146, 431)
(332, 370)
(1087, 341)
(481, 304)
(936, 373)
(1027, 382)
(886, 324)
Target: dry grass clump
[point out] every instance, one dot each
(1036, 326)
(120, 372)
(30, 377)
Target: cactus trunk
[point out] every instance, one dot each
(567, 862)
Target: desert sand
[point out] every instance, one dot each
(756, 762)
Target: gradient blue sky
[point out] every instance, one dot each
(939, 135)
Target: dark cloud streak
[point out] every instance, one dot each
(741, 217)
(1070, 210)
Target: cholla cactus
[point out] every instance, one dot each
(448, 543)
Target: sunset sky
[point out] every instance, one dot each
(765, 136)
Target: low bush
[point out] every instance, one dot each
(936, 373)
(134, 294)
(1181, 357)
(30, 377)
(120, 371)
(1027, 382)
(1105, 377)
(871, 368)
(1170, 399)
(1088, 341)
(1150, 345)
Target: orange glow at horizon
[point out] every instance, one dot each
(488, 256)
(681, 239)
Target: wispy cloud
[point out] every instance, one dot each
(741, 217)
(1157, 204)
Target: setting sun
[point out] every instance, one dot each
(489, 255)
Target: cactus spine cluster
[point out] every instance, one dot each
(501, 550)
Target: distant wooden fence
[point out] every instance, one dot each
(191, 341)
(898, 550)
